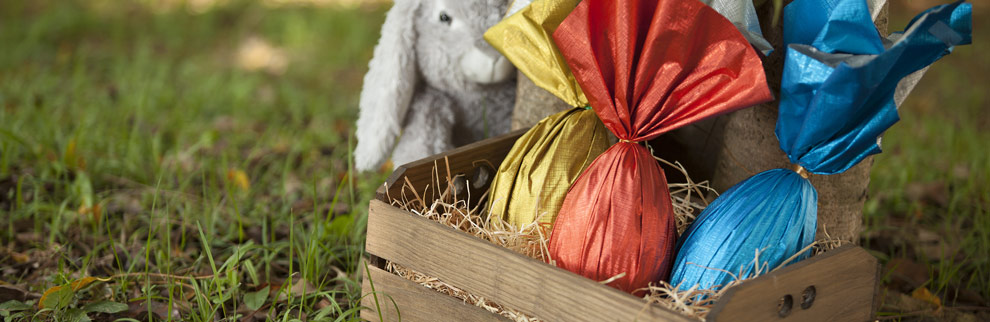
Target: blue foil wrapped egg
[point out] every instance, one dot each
(774, 213)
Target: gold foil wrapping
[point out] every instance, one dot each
(525, 38)
(534, 177)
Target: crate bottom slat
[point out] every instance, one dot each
(416, 302)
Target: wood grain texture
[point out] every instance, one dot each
(415, 302)
(845, 282)
(496, 273)
(845, 278)
(464, 160)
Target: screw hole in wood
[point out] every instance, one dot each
(482, 176)
(784, 305)
(460, 185)
(808, 297)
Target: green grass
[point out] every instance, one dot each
(930, 189)
(124, 133)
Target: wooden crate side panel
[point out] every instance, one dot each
(844, 279)
(496, 273)
(463, 160)
(415, 302)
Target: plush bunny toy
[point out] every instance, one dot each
(434, 79)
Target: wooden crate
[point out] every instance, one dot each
(844, 280)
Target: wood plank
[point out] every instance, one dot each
(496, 273)
(462, 160)
(542, 290)
(415, 302)
(844, 279)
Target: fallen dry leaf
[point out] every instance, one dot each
(905, 274)
(95, 212)
(922, 293)
(252, 316)
(894, 301)
(19, 257)
(139, 310)
(933, 245)
(301, 287)
(75, 285)
(932, 193)
(238, 178)
(964, 297)
(387, 166)
(10, 293)
(28, 237)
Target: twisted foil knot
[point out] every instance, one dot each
(801, 171)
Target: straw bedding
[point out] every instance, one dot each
(689, 199)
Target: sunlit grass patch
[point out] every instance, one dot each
(135, 148)
(930, 189)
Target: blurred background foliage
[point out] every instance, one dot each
(154, 141)
(928, 214)
(196, 152)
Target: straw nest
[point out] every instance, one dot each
(689, 199)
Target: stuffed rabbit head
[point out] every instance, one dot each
(454, 55)
(426, 43)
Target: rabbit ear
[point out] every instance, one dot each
(388, 87)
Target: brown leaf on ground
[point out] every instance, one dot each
(924, 294)
(894, 301)
(94, 212)
(76, 285)
(322, 304)
(160, 311)
(301, 287)
(934, 246)
(254, 316)
(905, 274)
(239, 179)
(10, 293)
(19, 258)
(964, 297)
(387, 166)
(28, 237)
(931, 193)
(959, 316)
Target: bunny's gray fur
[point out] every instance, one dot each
(417, 83)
